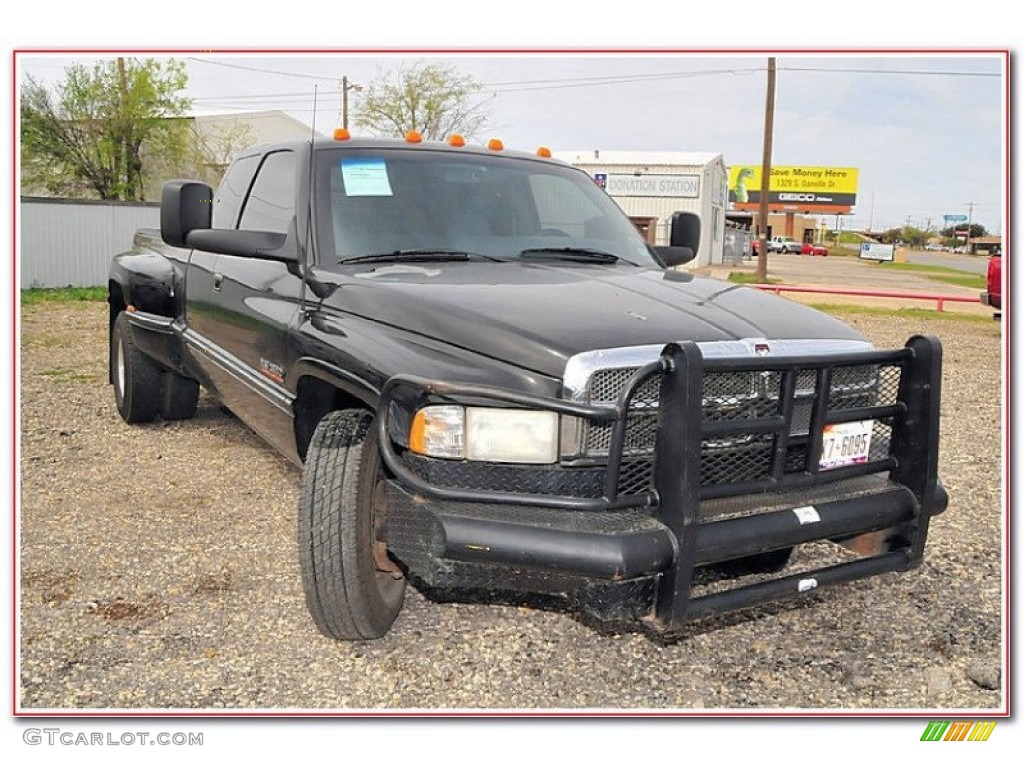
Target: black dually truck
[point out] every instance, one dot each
(492, 381)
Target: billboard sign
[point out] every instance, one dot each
(819, 189)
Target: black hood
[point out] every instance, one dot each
(538, 315)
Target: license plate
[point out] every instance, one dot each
(845, 444)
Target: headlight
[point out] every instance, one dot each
(504, 435)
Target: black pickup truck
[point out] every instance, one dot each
(493, 382)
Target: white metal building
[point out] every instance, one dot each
(651, 186)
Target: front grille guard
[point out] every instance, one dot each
(911, 458)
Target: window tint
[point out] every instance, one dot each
(559, 208)
(384, 200)
(231, 192)
(271, 203)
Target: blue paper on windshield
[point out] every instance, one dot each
(365, 177)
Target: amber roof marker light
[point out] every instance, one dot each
(543, 152)
(495, 145)
(457, 140)
(342, 134)
(413, 137)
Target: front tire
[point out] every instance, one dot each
(350, 592)
(136, 378)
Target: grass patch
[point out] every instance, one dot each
(46, 340)
(749, 278)
(966, 281)
(844, 250)
(66, 374)
(904, 266)
(941, 274)
(34, 296)
(919, 314)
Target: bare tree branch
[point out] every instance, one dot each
(435, 100)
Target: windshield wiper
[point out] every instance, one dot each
(416, 254)
(569, 253)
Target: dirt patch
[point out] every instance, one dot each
(181, 538)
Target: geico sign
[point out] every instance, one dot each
(796, 197)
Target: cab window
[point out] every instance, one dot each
(270, 206)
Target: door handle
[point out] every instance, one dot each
(218, 280)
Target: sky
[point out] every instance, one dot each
(925, 131)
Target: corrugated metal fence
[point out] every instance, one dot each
(71, 242)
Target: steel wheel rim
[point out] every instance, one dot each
(120, 366)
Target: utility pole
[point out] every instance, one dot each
(766, 172)
(970, 222)
(346, 86)
(127, 191)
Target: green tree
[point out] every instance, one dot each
(977, 230)
(435, 100)
(909, 235)
(93, 133)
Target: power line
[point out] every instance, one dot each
(619, 80)
(261, 69)
(606, 79)
(290, 96)
(845, 71)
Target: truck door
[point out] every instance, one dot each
(201, 310)
(241, 334)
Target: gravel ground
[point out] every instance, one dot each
(159, 571)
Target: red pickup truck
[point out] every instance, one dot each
(993, 295)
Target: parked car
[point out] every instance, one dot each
(780, 244)
(810, 249)
(993, 295)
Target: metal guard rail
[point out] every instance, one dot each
(939, 298)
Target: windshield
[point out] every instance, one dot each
(394, 200)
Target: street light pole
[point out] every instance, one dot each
(766, 172)
(970, 223)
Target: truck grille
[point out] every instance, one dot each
(736, 397)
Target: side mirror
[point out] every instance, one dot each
(186, 212)
(685, 231)
(184, 206)
(272, 246)
(673, 256)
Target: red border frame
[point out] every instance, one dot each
(1007, 571)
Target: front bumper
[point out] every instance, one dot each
(991, 300)
(635, 556)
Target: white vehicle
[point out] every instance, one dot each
(780, 244)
